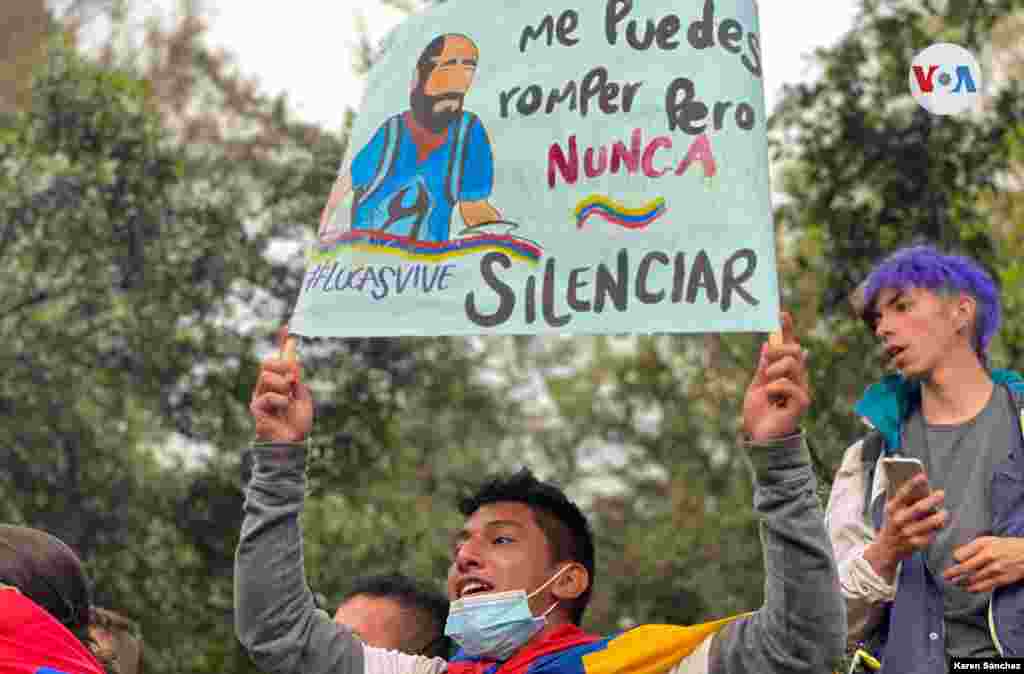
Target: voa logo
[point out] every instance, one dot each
(945, 79)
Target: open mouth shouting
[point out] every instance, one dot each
(470, 586)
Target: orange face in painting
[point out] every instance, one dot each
(454, 68)
(444, 75)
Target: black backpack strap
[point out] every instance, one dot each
(1017, 395)
(1017, 400)
(385, 164)
(457, 159)
(871, 449)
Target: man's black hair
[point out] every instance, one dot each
(412, 595)
(561, 520)
(425, 66)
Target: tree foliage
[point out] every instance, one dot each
(113, 287)
(152, 215)
(865, 170)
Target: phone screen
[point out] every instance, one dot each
(899, 470)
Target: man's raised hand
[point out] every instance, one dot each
(779, 394)
(281, 406)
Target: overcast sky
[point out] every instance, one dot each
(304, 47)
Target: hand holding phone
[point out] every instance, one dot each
(911, 520)
(901, 469)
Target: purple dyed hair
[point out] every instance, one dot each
(926, 267)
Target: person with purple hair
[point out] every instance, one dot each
(935, 576)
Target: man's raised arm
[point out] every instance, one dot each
(276, 619)
(802, 625)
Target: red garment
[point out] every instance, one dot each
(426, 140)
(33, 642)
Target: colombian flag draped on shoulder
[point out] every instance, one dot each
(647, 649)
(524, 168)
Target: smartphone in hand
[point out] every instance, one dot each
(899, 470)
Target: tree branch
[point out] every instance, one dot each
(39, 298)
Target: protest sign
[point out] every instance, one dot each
(523, 167)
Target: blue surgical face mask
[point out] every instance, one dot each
(496, 625)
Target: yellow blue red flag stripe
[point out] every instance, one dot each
(375, 241)
(618, 213)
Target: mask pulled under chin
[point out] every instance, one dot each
(495, 625)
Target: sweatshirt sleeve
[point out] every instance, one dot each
(802, 625)
(276, 619)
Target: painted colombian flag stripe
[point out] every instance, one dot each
(618, 213)
(375, 241)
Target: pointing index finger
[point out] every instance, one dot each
(286, 344)
(288, 352)
(788, 336)
(784, 335)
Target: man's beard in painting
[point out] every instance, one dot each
(425, 112)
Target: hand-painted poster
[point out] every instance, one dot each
(525, 167)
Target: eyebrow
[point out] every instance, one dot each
(895, 298)
(455, 61)
(463, 534)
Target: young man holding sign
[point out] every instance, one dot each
(941, 556)
(523, 563)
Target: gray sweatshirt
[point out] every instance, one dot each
(800, 628)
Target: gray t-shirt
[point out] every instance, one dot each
(960, 460)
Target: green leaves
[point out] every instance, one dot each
(106, 251)
(141, 288)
